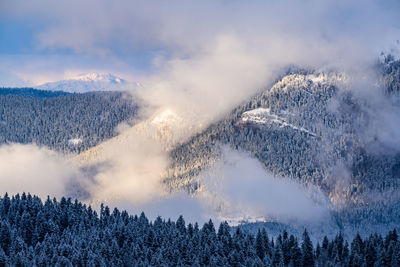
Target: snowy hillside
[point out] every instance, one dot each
(164, 127)
(62, 121)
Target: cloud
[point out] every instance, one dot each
(132, 171)
(299, 31)
(32, 70)
(10, 79)
(241, 48)
(377, 121)
(238, 187)
(100, 26)
(39, 171)
(209, 83)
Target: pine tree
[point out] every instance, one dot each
(260, 247)
(307, 251)
(3, 258)
(277, 258)
(5, 236)
(180, 225)
(395, 262)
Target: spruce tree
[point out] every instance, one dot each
(307, 251)
(260, 247)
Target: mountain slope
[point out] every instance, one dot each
(312, 129)
(156, 128)
(61, 121)
(283, 150)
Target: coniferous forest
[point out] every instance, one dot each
(56, 119)
(69, 233)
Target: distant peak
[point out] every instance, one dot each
(88, 82)
(98, 77)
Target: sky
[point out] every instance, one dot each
(45, 41)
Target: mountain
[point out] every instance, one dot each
(306, 127)
(310, 128)
(282, 127)
(314, 129)
(87, 83)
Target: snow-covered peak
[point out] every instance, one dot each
(89, 82)
(98, 77)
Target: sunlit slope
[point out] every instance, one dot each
(164, 128)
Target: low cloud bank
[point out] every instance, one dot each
(37, 170)
(238, 187)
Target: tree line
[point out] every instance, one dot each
(69, 233)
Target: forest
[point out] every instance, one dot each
(62, 121)
(69, 233)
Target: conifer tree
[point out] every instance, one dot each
(307, 251)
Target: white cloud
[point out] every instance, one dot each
(298, 32)
(39, 171)
(239, 187)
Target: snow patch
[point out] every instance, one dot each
(263, 116)
(236, 221)
(74, 141)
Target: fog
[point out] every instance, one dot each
(235, 188)
(28, 168)
(238, 187)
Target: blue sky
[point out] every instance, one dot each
(25, 61)
(50, 40)
(16, 37)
